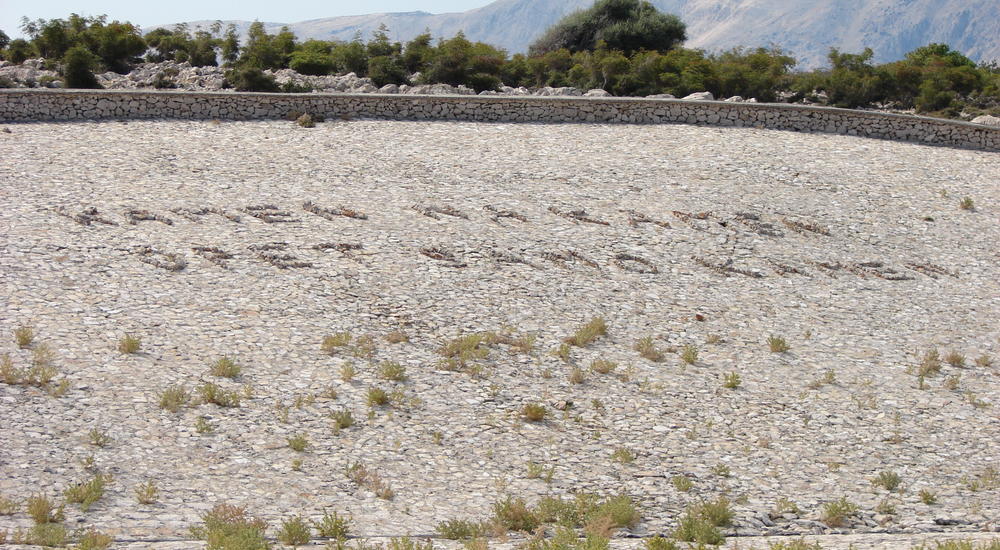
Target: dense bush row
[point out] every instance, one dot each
(932, 79)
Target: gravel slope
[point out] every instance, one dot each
(728, 245)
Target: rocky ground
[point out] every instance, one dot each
(256, 240)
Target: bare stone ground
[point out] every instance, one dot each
(854, 251)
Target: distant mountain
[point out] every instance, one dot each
(805, 28)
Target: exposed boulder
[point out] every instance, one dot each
(661, 96)
(597, 92)
(565, 91)
(700, 96)
(987, 120)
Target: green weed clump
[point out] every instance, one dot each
(333, 526)
(534, 412)
(648, 349)
(887, 480)
(88, 492)
(588, 333)
(390, 370)
(229, 527)
(777, 344)
(24, 336)
(294, 532)
(215, 394)
(837, 513)
(42, 510)
(460, 529)
(129, 344)
(689, 354)
(173, 398)
(225, 367)
(335, 342)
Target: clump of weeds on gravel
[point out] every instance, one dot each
(460, 529)
(967, 204)
(98, 438)
(689, 354)
(174, 397)
(129, 344)
(648, 349)
(225, 367)
(798, 544)
(364, 347)
(342, 420)
(887, 480)
(694, 527)
(955, 359)
(837, 513)
(603, 366)
(92, 539)
(659, 543)
(88, 492)
(42, 510)
(8, 506)
(230, 527)
(298, 443)
(984, 361)
(335, 342)
(731, 381)
(147, 493)
(23, 336)
(333, 526)
(348, 371)
(623, 455)
(588, 333)
(397, 337)
(366, 477)
(202, 426)
(576, 376)
(682, 483)
(215, 394)
(930, 364)
(777, 344)
(533, 412)
(294, 532)
(392, 371)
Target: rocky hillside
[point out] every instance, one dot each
(807, 28)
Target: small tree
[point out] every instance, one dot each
(313, 58)
(78, 68)
(251, 79)
(626, 25)
(19, 50)
(4, 40)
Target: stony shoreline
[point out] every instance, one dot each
(855, 251)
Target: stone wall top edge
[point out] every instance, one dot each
(452, 98)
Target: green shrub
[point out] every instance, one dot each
(333, 526)
(294, 532)
(78, 68)
(225, 367)
(251, 79)
(534, 412)
(460, 529)
(88, 492)
(836, 513)
(588, 333)
(513, 514)
(42, 510)
(695, 528)
(229, 527)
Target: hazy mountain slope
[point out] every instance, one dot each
(806, 28)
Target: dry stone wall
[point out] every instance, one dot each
(59, 105)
